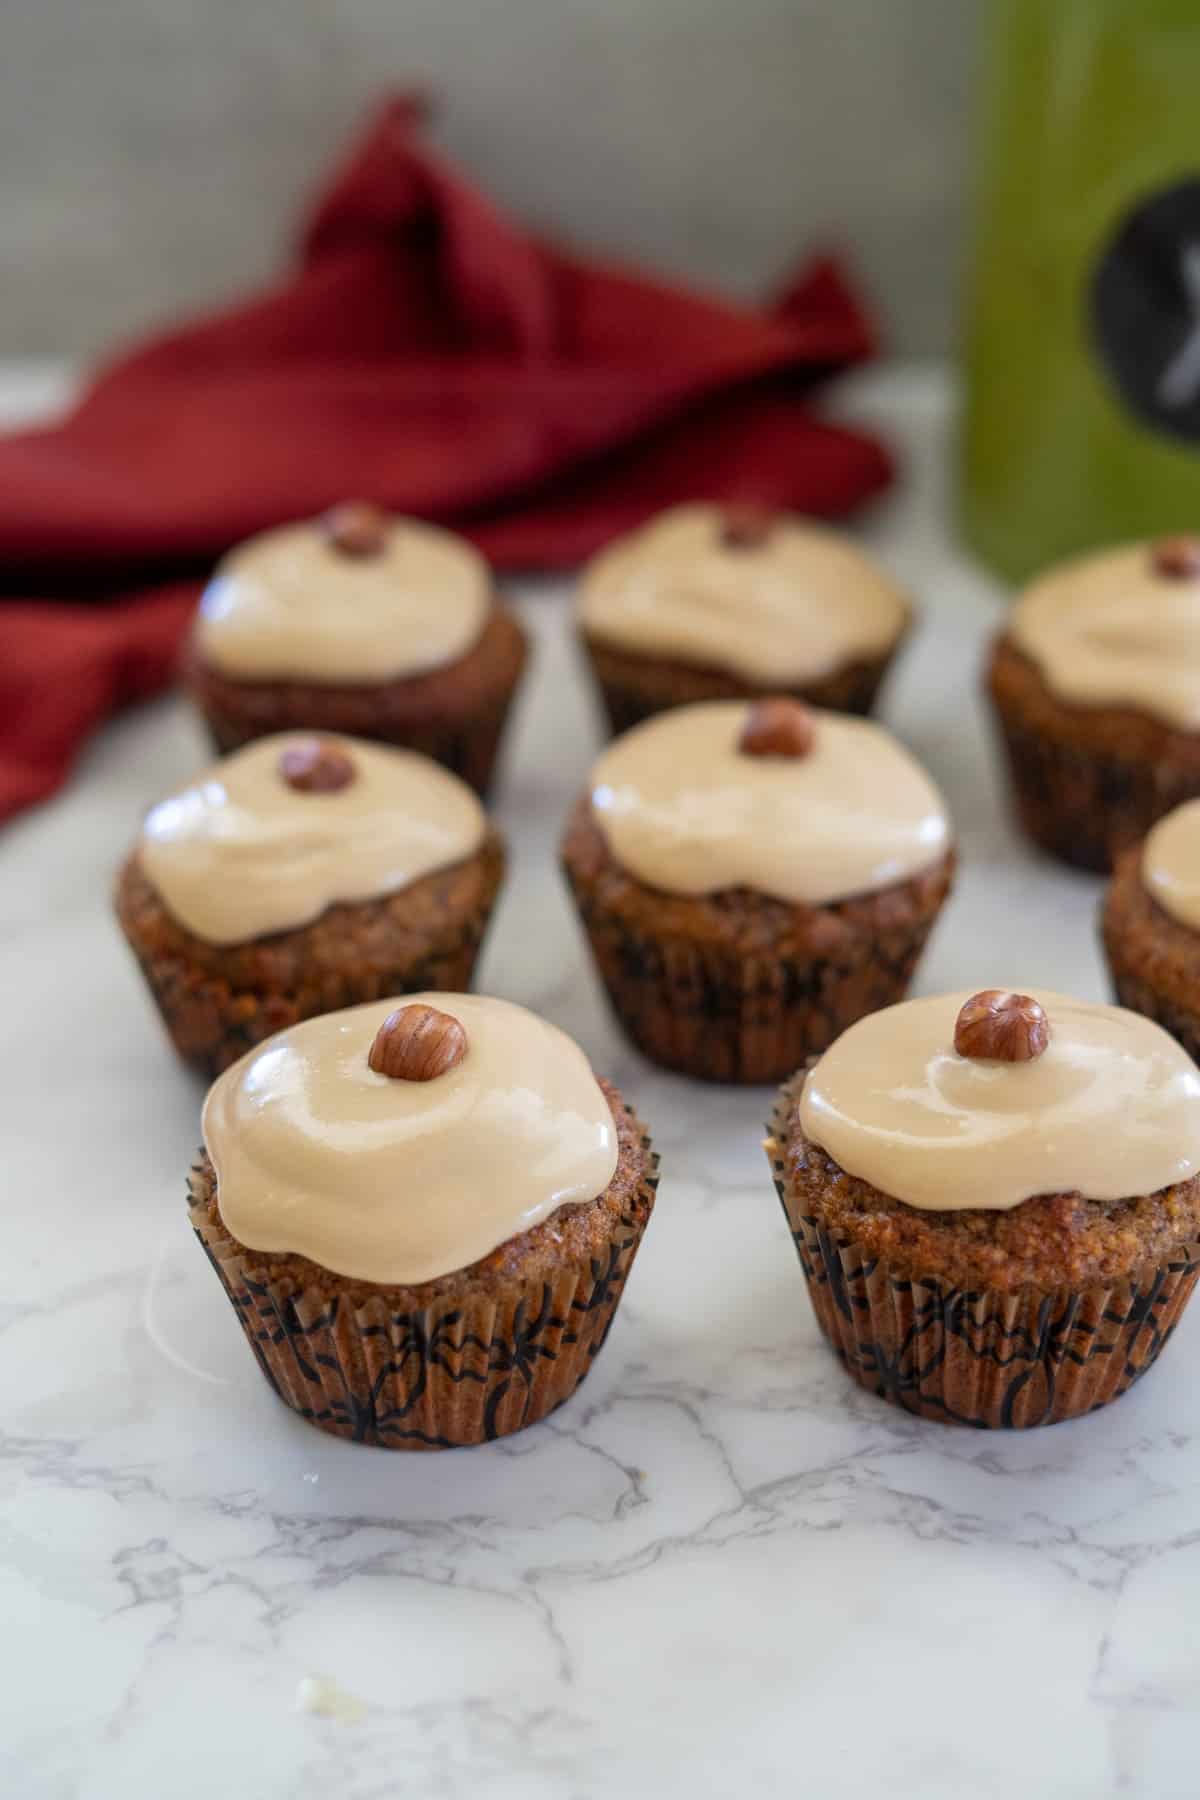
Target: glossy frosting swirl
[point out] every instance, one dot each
(289, 606)
(685, 810)
(402, 1181)
(238, 853)
(1112, 629)
(1171, 864)
(798, 606)
(1110, 1110)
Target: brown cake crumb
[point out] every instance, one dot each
(739, 919)
(1049, 1242)
(572, 1234)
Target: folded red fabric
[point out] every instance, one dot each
(425, 353)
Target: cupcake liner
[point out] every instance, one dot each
(978, 1356)
(213, 1019)
(1082, 806)
(457, 1372)
(742, 1018)
(633, 688)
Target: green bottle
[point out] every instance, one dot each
(1082, 411)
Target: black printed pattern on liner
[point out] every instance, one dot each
(426, 1380)
(986, 1359)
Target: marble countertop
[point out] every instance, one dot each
(722, 1569)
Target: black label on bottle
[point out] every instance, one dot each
(1145, 309)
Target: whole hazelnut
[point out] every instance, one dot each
(745, 525)
(315, 766)
(356, 528)
(994, 1026)
(777, 727)
(417, 1043)
(1178, 558)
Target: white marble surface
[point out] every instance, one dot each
(721, 1570)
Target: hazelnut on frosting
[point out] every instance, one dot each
(354, 597)
(399, 1143)
(268, 838)
(772, 599)
(417, 1043)
(1043, 1095)
(806, 806)
(1119, 628)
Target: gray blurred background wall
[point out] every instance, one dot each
(153, 152)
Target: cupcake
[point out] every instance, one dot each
(712, 603)
(300, 875)
(995, 1202)
(1150, 924)
(752, 878)
(424, 1217)
(362, 623)
(1096, 686)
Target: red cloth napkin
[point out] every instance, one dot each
(425, 353)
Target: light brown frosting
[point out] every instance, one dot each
(1110, 630)
(289, 606)
(683, 809)
(1171, 864)
(403, 1181)
(238, 853)
(798, 606)
(1110, 1110)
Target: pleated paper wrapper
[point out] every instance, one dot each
(979, 1356)
(740, 1017)
(464, 1370)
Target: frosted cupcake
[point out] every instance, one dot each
(714, 603)
(753, 877)
(1096, 686)
(995, 1202)
(364, 623)
(1150, 923)
(300, 875)
(424, 1216)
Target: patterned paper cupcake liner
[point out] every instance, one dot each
(741, 1019)
(212, 1021)
(463, 1370)
(978, 1356)
(635, 688)
(1082, 806)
